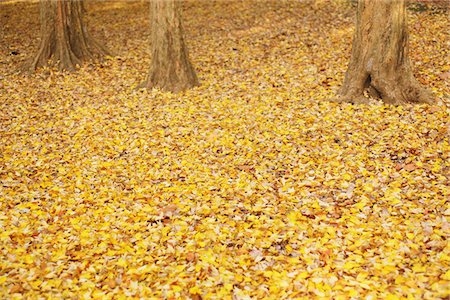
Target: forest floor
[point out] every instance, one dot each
(249, 186)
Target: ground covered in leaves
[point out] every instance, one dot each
(249, 186)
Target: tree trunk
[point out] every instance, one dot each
(170, 68)
(379, 61)
(64, 37)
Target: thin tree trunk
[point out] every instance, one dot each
(64, 37)
(379, 61)
(170, 69)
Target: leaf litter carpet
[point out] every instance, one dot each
(249, 186)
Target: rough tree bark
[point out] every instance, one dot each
(379, 61)
(64, 37)
(170, 69)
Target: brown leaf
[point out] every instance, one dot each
(17, 288)
(191, 256)
(410, 167)
(196, 297)
(169, 209)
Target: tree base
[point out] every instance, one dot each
(379, 63)
(65, 58)
(170, 69)
(171, 87)
(402, 92)
(353, 100)
(65, 41)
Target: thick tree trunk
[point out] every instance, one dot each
(170, 68)
(64, 37)
(379, 62)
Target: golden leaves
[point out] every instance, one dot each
(248, 186)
